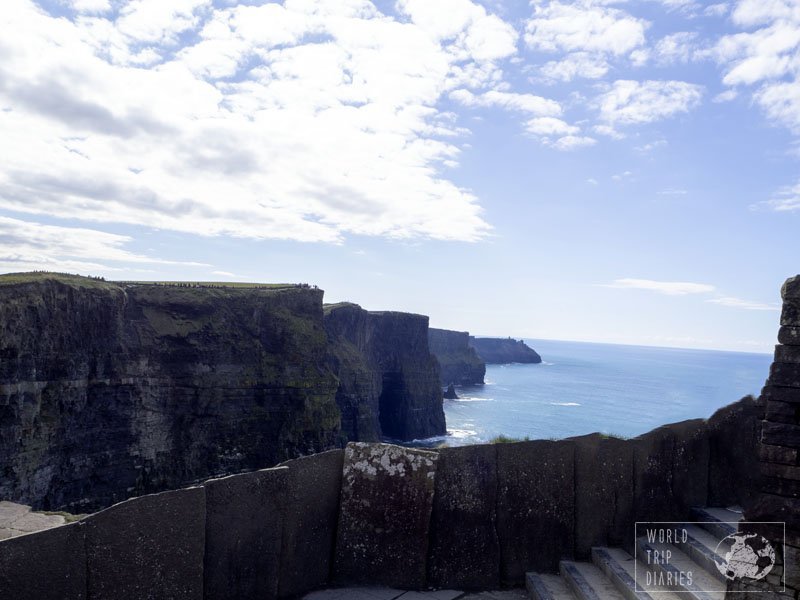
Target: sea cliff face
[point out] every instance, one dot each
(388, 379)
(110, 390)
(504, 350)
(459, 363)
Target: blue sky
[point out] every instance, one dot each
(611, 171)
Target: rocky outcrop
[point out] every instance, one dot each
(112, 390)
(388, 380)
(459, 364)
(504, 350)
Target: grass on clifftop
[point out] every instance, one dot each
(66, 278)
(100, 283)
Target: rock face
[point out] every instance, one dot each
(387, 497)
(111, 390)
(388, 380)
(459, 363)
(504, 350)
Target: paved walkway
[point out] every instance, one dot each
(17, 519)
(376, 593)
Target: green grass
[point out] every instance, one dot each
(67, 278)
(504, 439)
(68, 517)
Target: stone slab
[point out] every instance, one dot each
(148, 547)
(604, 506)
(309, 526)
(355, 593)
(535, 506)
(671, 471)
(789, 335)
(384, 518)
(47, 565)
(780, 434)
(244, 519)
(791, 288)
(464, 550)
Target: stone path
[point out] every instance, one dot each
(375, 593)
(17, 519)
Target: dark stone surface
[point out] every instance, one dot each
(790, 314)
(787, 354)
(450, 393)
(148, 548)
(504, 350)
(733, 433)
(109, 390)
(464, 550)
(47, 565)
(459, 363)
(384, 518)
(604, 492)
(780, 434)
(789, 336)
(244, 520)
(671, 466)
(309, 526)
(388, 379)
(785, 375)
(535, 506)
(791, 288)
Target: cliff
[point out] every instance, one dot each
(110, 390)
(459, 363)
(388, 380)
(504, 350)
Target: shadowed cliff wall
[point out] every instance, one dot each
(504, 350)
(111, 390)
(388, 379)
(459, 363)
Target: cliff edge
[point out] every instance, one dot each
(388, 379)
(504, 350)
(459, 363)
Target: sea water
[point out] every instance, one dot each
(580, 388)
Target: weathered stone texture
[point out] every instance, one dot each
(464, 551)
(309, 526)
(47, 565)
(148, 548)
(535, 507)
(384, 519)
(244, 520)
(603, 492)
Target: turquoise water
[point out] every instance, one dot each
(581, 388)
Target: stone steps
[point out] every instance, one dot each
(613, 574)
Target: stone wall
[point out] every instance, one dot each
(778, 499)
(474, 517)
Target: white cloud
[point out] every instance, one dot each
(550, 126)
(629, 102)
(576, 64)
(583, 27)
(587, 33)
(669, 288)
(786, 199)
(573, 142)
(90, 6)
(725, 96)
(745, 304)
(716, 10)
(28, 245)
(676, 48)
(308, 120)
(527, 103)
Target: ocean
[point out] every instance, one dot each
(580, 388)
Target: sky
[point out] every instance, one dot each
(599, 170)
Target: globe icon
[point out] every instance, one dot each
(750, 556)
